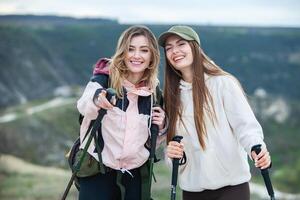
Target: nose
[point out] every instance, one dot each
(136, 54)
(175, 50)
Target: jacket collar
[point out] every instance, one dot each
(140, 89)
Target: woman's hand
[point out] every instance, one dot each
(175, 150)
(102, 102)
(158, 117)
(263, 159)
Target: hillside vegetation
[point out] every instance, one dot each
(55, 52)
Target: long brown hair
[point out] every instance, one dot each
(202, 99)
(118, 69)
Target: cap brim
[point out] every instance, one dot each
(163, 37)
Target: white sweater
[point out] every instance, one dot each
(224, 161)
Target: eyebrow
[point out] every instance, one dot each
(176, 42)
(145, 46)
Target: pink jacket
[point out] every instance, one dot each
(124, 132)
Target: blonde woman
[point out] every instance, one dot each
(207, 106)
(132, 72)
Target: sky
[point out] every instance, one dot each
(284, 13)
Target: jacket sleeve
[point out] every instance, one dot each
(240, 115)
(85, 104)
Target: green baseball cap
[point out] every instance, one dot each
(184, 32)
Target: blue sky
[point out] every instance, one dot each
(208, 12)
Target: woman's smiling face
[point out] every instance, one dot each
(138, 55)
(178, 52)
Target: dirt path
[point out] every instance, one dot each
(56, 102)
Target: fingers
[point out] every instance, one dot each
(175, 149)
(262, 160)
(113, 100)
(157, 109)
(158, 117)
(102, 101)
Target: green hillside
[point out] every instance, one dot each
(54, 52)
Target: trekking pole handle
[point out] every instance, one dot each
(111, 97)
(177, 138)
(175, 161)
(257, 150)
(110, 94)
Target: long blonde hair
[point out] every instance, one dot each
(118, 69)
(202, 99)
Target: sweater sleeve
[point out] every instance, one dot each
(85, 104)
(240, 115)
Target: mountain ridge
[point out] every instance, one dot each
(39, 54)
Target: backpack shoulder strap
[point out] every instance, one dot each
(102, 79)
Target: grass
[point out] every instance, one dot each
(20, 180)
(161, 189)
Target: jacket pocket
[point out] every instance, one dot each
(203, 169)
(212, 168)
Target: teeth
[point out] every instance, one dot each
(136, 62)
(178, 58)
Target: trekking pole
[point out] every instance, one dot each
(154, 133)
(110, 93)
(84, 152)
(175, 163)
(265, 174)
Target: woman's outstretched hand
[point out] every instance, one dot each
(102, 102)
